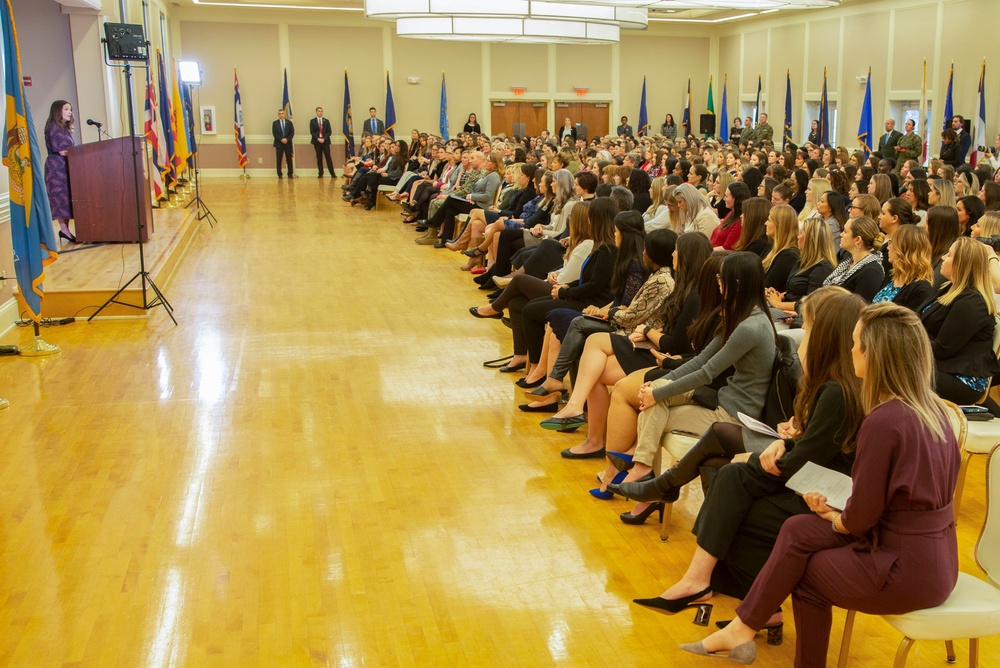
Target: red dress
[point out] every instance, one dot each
(902, 554)
(727, 238)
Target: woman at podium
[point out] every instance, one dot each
(59, 138)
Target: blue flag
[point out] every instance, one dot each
(686, 122)
(166, 121)
(756, 108)
(724, 116)
(643, 118)
(443, 121)
(390, 109)
(824, 116)
(949, 109)
(786, 138)
(347, 129)
(30, 215)
(286, 102)
(865, 126)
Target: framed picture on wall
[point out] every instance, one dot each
(207, 121)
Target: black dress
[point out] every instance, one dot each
(472, 128)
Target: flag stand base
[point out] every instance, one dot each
(38, 348)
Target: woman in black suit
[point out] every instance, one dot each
(910, 260)
(960, 323)
(949, 148)
(861, 272)
(472, 125)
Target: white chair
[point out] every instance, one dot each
(973, 609)
(982, 435)
(676, 444)
(982, 438)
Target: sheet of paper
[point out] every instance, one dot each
(836, 487)
(756, 425)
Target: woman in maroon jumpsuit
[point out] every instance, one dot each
(893, 548)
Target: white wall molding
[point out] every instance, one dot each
(8, 315)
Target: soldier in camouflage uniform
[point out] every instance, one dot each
(909, 147)
(763, 132)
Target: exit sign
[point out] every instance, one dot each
(27, 81)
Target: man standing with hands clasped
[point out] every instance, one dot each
(320, 130)
(283, 132)
(373, 126)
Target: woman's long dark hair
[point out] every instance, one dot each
(693, 248)
(838, 207)
(638, 182)
(55, 115)
(740, 194)
(702, 329)
(834, 316)
(633, 231)
(742, 289)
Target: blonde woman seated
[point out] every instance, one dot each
(814, 195)
(816, 261)
(488, 222)
(910, 258)
(694, 214)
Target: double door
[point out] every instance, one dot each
(519, 118)
(590, 118)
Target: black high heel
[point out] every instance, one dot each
(629, 518)
(672, 605)
(646, 490)
(68, 237)
(775, 632)
(526, 385)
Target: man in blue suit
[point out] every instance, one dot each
(373, 126)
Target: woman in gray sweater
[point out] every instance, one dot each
(682, 400)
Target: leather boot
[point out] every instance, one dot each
(429, 239)
(462, 242)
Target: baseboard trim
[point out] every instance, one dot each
(8, 315)
(267, 173)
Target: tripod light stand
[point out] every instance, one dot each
(190, 76)
(126, 42)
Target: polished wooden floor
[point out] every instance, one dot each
(314, 469)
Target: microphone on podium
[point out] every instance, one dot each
(91, 121)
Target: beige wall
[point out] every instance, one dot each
(891, 36)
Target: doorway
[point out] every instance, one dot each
(590, 118)
(517, 118)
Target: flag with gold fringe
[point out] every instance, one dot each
(30, 215)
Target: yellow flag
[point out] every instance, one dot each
(181, 149)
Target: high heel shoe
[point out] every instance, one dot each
(744, 654)
(540, 391)
(526, 385)
(621, 461)
(775, 632)
(474, 252)
(629, 518)
(608, 494)
(672, 605)
(650, 489)
(68, 237)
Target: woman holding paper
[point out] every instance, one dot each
(893, 548)
(747, 502)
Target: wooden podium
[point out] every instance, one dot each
(102, 188)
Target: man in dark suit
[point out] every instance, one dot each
(625, 130)
(887, 142)
(373, 126)
(320, 130)
(964, 138)
(283, 131)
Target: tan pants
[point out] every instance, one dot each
(677, 413)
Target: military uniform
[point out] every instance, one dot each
(762, 133)
(749, 135)
(913, 146)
